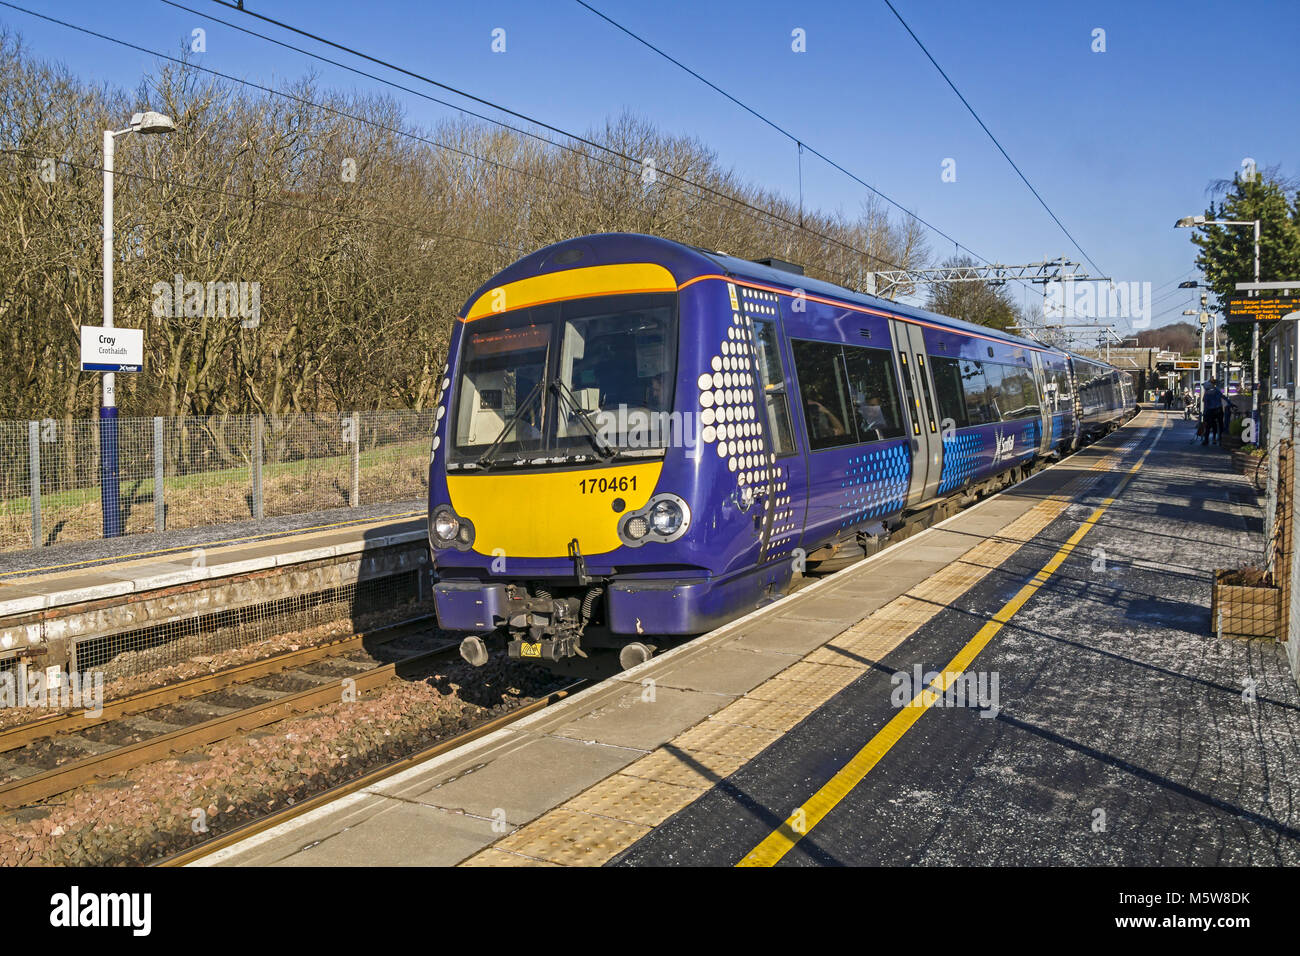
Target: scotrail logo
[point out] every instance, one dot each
(1099, 300)
(1004, 446)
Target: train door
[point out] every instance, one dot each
(1076, 401)
(1046, 404)
(783, 497)
(918, 396)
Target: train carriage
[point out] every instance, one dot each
(636, 437)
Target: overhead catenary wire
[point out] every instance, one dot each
(575, 137)
(966, 103)
(745, 208)
(802, 144)
(511, 112)
(772, 217)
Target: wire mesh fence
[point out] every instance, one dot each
(1282, 519)
(191, 472)
(363, 605)
(129, 662)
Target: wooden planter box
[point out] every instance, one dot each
(1246, 610)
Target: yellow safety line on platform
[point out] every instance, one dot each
(800, 823)
(265, 536)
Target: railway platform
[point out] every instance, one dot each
(1032, 681)
(58, 602)
(33, 581)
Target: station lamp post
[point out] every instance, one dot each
(144, 123)
(1196, 222)
(1200, 363)
(1214, 346)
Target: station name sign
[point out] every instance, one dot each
(111, 350)
(1242, 309)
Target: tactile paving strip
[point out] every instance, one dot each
(689, 768)
(635, 799)
(572, 838)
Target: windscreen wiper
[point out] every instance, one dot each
(564, 393)
(485, 460)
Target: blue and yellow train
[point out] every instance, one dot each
(636, 437)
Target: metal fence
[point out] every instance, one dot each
(189, 472)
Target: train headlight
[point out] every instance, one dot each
(666, 517)
(449, 530)
(445, 526)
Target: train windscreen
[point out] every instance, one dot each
(583, 376)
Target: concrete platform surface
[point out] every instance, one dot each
(221, 553)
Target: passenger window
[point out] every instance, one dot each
(771, 379)
(949, 391)
(874, 393)
(1064, 396)
(979, 406)
(1020, 394)
(825, 395)
(849, 394)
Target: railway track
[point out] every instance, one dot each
(44, 758)
(276, 818)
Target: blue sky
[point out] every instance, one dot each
(1119, 143)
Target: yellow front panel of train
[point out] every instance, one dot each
(531, 515)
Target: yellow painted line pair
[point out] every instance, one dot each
(782, 840)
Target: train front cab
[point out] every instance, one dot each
(601, 470)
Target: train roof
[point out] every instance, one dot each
(759, 271)
(688, 262)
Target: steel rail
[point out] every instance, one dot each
(26, 790)
(20, 735)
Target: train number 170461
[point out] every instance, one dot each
(591, 486)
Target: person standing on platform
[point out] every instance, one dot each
(1212, 408)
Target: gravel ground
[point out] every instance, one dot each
(163, 807)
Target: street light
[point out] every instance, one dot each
(1200, 363)
(1214, 348)
(145, 123)
(1195, 222)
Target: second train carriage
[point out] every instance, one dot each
(637, 437)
